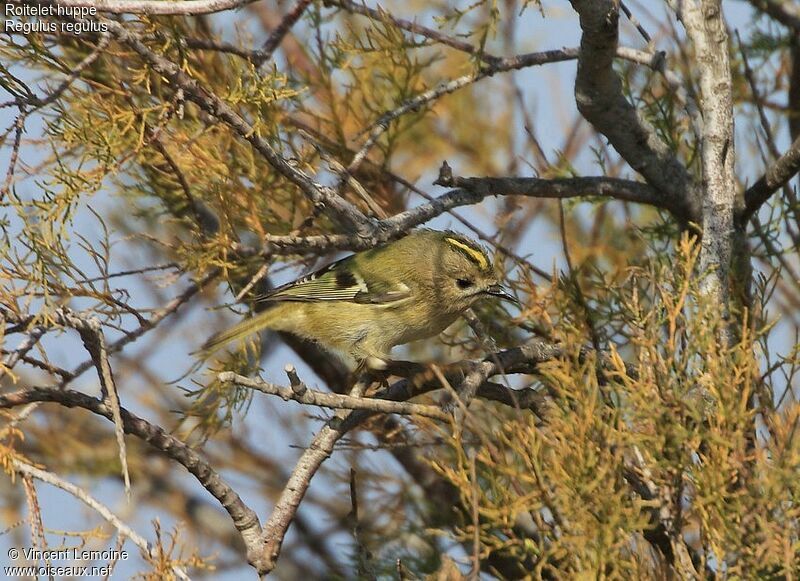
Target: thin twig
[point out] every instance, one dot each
(633, 20)
(75, 72)
(19, 126)
(260, 274)
(474, 574)
(145, 269)
(170, 308)
(413, 27)
(340, 210)
(363, 554)
(94, 504)
(34, 513)
(261, 56)
(244, 518)
(94, 341)
(382, 124)
(307, 466)
(332, 400)
(775, 177)
(19, 353)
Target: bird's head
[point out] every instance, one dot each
(466, 273)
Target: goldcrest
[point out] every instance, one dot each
(365, 304)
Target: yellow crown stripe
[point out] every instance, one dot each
(476, 255)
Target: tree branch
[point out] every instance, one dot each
(339, 208)
(522, 359)
(557, 188)
(784, 11)
(494, 64)
(473, 191)
(654, 61)
(19, 353)
(96, 505)
(793, 94)
(777, 175)
(244, 519)
(599, 96)
(75, 72)
(499, 65)
(265, 53)
(94, 341)
(334, 400)
(413, 27)
(169, 309)
(19, 127)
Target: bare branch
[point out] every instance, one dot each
(413, 27)
(19, 353)
(170, 308)
(333, 400)
(655, 61)
(19, 127)
(285, 508)
(496, 65)
(75, 72)
(777, 175)
(559, 188)
(784, 11)
(752, 205)
(757, 99)
(793, 94)
(274, 40)
(635, 21)
(599, 96)
(479, 189)
(95, 343)
(217, 46)
(243, 517)
(94, 504)
(34, 514)
(475, 571)
(521, 359)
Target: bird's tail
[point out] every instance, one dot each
(263, 320)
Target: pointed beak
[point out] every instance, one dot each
(498, 291)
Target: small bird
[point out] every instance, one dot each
(363, 305)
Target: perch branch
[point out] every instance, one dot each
(333, 400)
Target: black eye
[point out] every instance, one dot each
(464, 283)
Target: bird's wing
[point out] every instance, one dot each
(339, 282)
